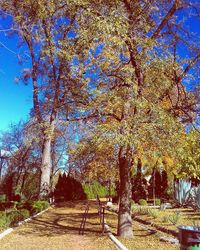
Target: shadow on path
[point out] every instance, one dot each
(63, 220)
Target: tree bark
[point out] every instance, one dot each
(124, 216)
(45, 169)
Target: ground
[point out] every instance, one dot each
(58, 229)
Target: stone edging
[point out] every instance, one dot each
(160, 228)
(117, 243)
(11, 229)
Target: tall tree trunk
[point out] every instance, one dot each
(124, 216)
(45, 168)
(45, 180)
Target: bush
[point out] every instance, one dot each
(195, 198)
(165, 219)
(174, 218)
(38, 206)
(143, 202)
(153, 213)
(4, 220)
(15, 216)
(25, 213)
(182, 189)
(157, 202)
(2, 197)
(94, 189)
(134, 211)
(142, 211)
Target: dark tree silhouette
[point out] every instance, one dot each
(67, 189)
(7, 186)
(155, 184)
(139, 190)
(164, 185)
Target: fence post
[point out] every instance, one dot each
(103, 219)
(83, 221)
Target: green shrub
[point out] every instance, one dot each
(2, 197)
(157, 202)
(165, 219)
(45, 204)
(132, 204)
(143, 202)
(195, 198)
(15, 216)
(25, 213)
(134, 211)
(18, 215)
(174, 218)
(142, 210)
(153, 213)
(4, 220)
(38, 206)
(94, 189)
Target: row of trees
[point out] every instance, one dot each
(117, 65)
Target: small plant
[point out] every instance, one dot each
(4, 220)
(25, 213)
(195, 223)
(182, 190)
(142, 210)
(157, 202)
(2, 198)
(165, 219)
(38, 206)
(174, 218)
(143, 202)
(132, 202)
(15, 216)
(153, 213)
(134, 211)
(195, 197)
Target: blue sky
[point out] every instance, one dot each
(15, 99)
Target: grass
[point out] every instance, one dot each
(169, 218)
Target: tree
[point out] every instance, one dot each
(44, 28)
(137, 106)
(23, 171)
(155, 184)
(188, 156)
(68, 188)
(94, 161)
(164, 184)
(121, 47)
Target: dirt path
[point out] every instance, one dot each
(58, 229)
